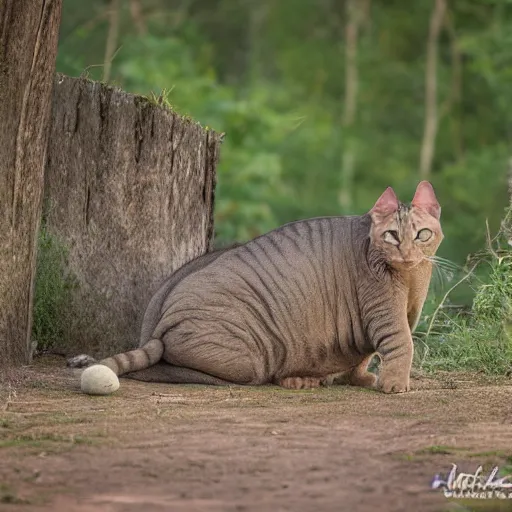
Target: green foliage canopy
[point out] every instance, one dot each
(272, 76)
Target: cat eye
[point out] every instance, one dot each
(391, 237)
(424, 235)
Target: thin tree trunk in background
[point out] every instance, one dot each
(431, 119)
(138, 18)
(29, 31)
(455, 98)
(112, 36)
(510, 181)
(351, 76)
(257, 17)
(356, 10)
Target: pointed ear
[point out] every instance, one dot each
(425, 198)
(386, 204)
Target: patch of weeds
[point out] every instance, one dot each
(490, 453)
(43, 440)
(481, 339)
(38, 384)
(53, 288)
(401, 414)
(69, 420)
(408, 457)
(82, 440)
(472, 505)
(507, 468)
(9, 496)
(5, 423)
(438, 450)
(161, 99)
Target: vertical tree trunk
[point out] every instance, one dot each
(455, 98)
(137, 17)
(28, 46)
(112, 36)
(257, 18)
(355, 12)
(431, 121)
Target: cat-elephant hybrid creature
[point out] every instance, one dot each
(306, 302)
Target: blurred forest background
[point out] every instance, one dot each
(324, 102)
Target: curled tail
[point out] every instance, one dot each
(102, 378)
(135, 360)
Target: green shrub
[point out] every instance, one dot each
(479, 339)
(52, 289)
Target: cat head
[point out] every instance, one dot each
(406, 234)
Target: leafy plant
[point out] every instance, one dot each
(52, 289)
(480, 339)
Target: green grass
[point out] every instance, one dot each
(5, 423)
(9, 495)
(507, 468)
(52, 289)
(479, 339)
(43, 440)
(475, 345)
(439, 450)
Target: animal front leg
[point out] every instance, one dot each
(395, 351)
(413, 316)
(360, 376)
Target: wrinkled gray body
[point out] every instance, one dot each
(153, 311)
(308, 298)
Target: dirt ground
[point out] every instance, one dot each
(154, 447)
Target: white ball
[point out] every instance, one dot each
(99, 380)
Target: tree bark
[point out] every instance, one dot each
(29, 32)
(129, 192)
(431, 120)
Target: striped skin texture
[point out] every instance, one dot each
(299, 306)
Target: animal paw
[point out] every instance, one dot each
(300, 382)
(393, 385)
(364, 380)
(81, 361)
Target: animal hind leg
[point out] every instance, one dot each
(219, 355)
(170, 374)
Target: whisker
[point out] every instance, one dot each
(444, 270)
(439, 278)
(443, 262)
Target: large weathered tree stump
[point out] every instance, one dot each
(29, 32)
(129, 191)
